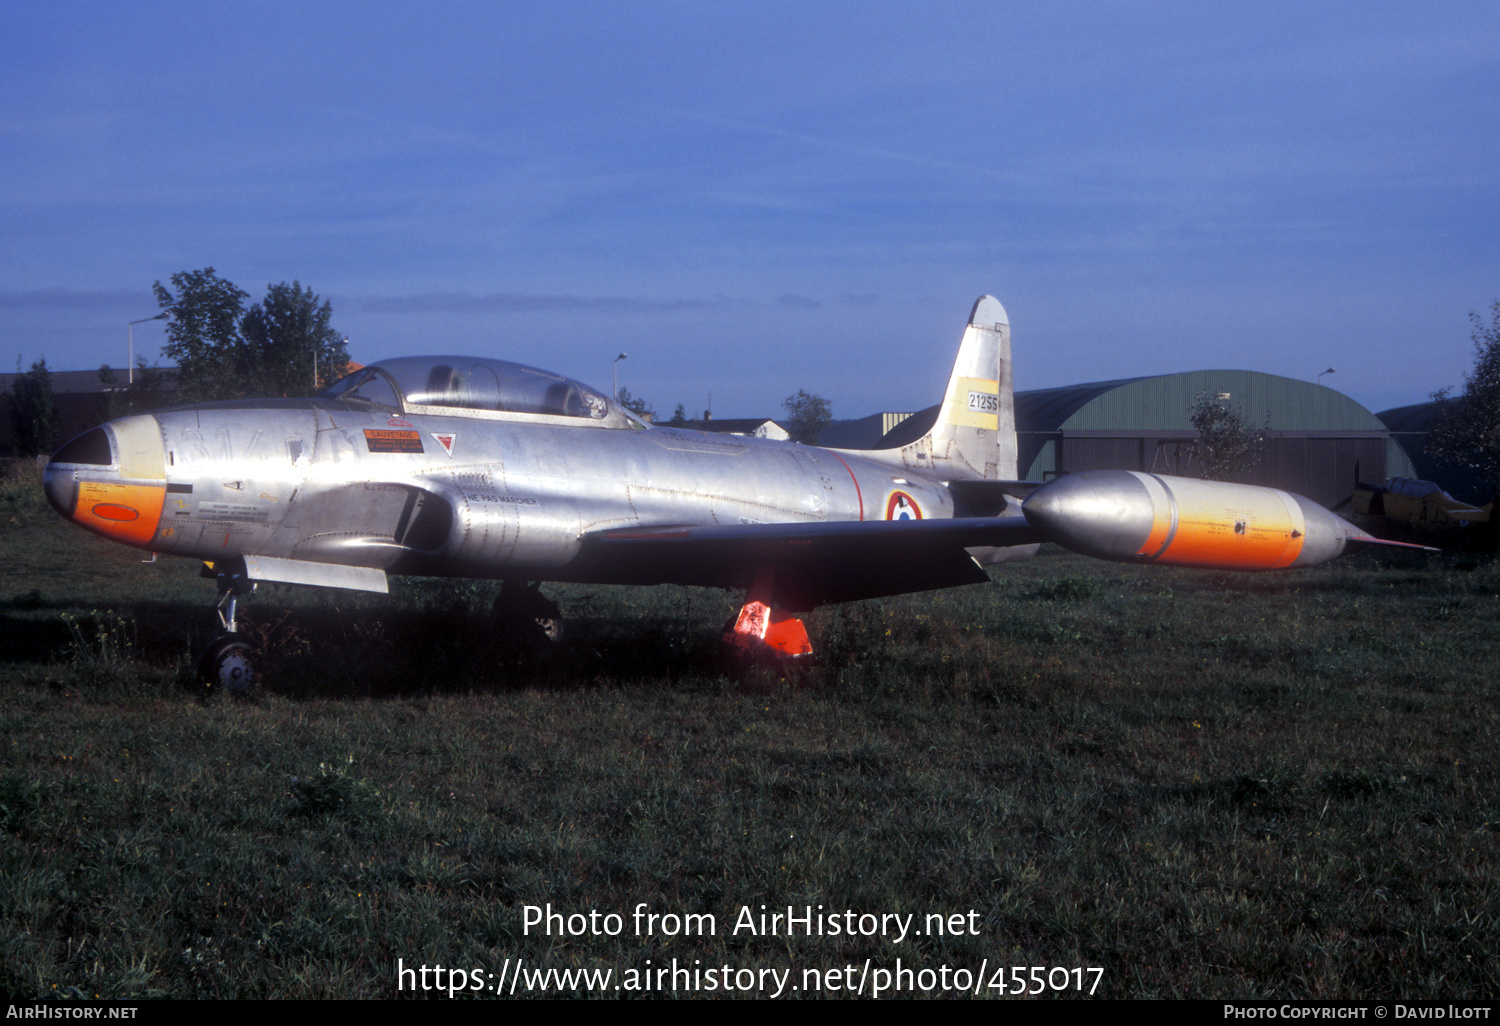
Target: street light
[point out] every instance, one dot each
(616, 369)
(315, 361)
(1320, 376)
(130, 344)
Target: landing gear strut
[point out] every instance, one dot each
(526, 620)
(229, 662)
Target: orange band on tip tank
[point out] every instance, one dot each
(1213, 524)
(1235, 546)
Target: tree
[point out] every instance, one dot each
(224, 351)
(1466, 430)
(1226, 445)
(679, 416)
(33, 415)
(639, 407)
(284, 333)
(203, 335)
(807, 415)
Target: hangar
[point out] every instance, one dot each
(1317, 439)
(1410, 425)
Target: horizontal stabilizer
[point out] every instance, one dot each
(979, 498)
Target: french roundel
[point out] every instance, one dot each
(901, 506)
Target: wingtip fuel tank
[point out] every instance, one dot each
(1132, 517)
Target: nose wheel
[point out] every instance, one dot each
(229, 665)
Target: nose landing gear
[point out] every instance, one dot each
(229, 663)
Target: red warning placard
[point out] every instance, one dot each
(379, 440)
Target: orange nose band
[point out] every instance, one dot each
(125, 512)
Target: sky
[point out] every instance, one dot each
(750, 199)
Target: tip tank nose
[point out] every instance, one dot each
(1109, 514)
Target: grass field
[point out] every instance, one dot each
(1205, 784)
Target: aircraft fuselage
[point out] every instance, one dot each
(330, 482)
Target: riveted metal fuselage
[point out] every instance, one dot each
(500, 495)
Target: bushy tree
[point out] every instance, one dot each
(224, 351)
(203, 334)
(283, 335)
(1466, 431)
(1227, 445)
(33, 414)
(807, 416)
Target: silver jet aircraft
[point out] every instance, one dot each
(460, 466)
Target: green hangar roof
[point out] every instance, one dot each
(1166, 400)
(1318, 439)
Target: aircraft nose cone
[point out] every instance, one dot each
(112, 479)
(90, 451)
(1109, 514)
(60, 488)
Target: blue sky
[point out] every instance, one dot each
(755, 198)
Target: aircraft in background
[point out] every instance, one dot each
(460, 466)
(1420, 506)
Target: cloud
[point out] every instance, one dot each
(512, 302)
(71, 299)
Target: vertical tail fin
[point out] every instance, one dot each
(974, 435)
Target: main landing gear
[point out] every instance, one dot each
(526, 621)
(229, 662)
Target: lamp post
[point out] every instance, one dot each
(130, 344)
(1320, 376)
(616, 370)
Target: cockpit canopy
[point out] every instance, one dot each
(472, 383)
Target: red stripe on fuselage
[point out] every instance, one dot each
(858, 494)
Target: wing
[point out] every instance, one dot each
(814, 563)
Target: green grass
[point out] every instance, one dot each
(1209, 785)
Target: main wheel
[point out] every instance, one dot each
(229, 665)
(527, 622)
(551, 627)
